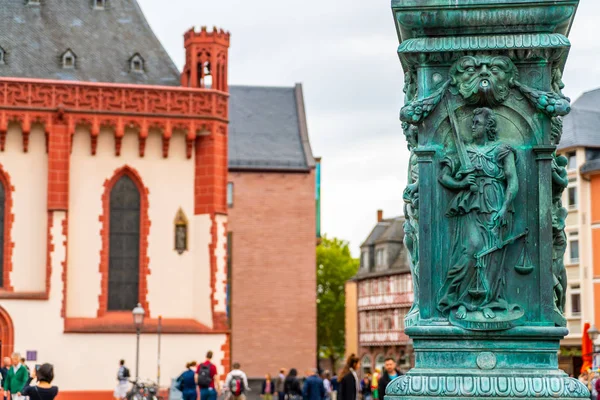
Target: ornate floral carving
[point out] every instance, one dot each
(107, 98)
(99, 105)
(485, 80)
(550, 103)
(479, 386)
(17, 94)
(89, 99)
(157, 102)
(41, 95)
(411, 215)
(112, 99)
(417, 110)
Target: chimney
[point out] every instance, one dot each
(379, 215)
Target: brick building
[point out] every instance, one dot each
(379, 297)
(272, 230)
(114, 191)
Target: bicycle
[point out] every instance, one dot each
(143, 391)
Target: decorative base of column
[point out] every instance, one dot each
(453, 363)
(452, 385)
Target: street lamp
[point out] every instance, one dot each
(593, 334)
(138, 320)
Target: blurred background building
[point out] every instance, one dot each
(379, 297)
(580, 143)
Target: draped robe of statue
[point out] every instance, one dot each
(474, 231)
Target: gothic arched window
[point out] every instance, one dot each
(124, 245)
(2, 209)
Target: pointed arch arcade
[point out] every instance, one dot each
(124, 263)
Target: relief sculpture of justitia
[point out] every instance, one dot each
(485, 183)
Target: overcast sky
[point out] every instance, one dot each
(344, 54)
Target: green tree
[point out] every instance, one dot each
(335, 266)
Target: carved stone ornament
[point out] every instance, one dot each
(181, 232)
(484, 221)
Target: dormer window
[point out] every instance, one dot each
(136, 64)
(2, 56)
(68, 59)
(99, 4)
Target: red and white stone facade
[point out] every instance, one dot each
(63, 145)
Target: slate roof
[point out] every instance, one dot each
(376, 233)
(268, 129)
(35, 36)
(591, 166)
(389, 230)
(394, 232)
(581, 128)
(386, 230)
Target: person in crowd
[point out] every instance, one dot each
(291, 386)
(365, 387)
(596, 386)
(334, 386)
(268, 388)
(6, 362)
(584, 377)
(236, 383)
(349, 386)
(123, 376)
(43, 390)
(16, 377)
(206, 377)
(279, 384)
(592, 385)
(24, 363)
(375, 384)
(327, 384)
(186, 382)
(390, 373)
(313, 389)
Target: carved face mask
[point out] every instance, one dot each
(483, 80)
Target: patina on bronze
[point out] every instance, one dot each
(484, 219)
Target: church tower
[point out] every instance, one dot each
(206, 59)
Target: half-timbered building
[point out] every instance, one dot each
(379, 297)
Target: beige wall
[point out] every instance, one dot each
(351, 318)
(173, 277)
(29, 177)
(38, 326)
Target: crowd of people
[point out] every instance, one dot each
(591, 379)
(372, 386)
(202, 379)
(19, 383)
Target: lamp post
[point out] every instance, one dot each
(593, 334)
(138, 320)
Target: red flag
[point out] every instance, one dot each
(587, 348)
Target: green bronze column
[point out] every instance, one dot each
(484, 218)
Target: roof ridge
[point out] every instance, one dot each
(147, 24)
(262, 87)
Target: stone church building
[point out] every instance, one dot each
(117, 175)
